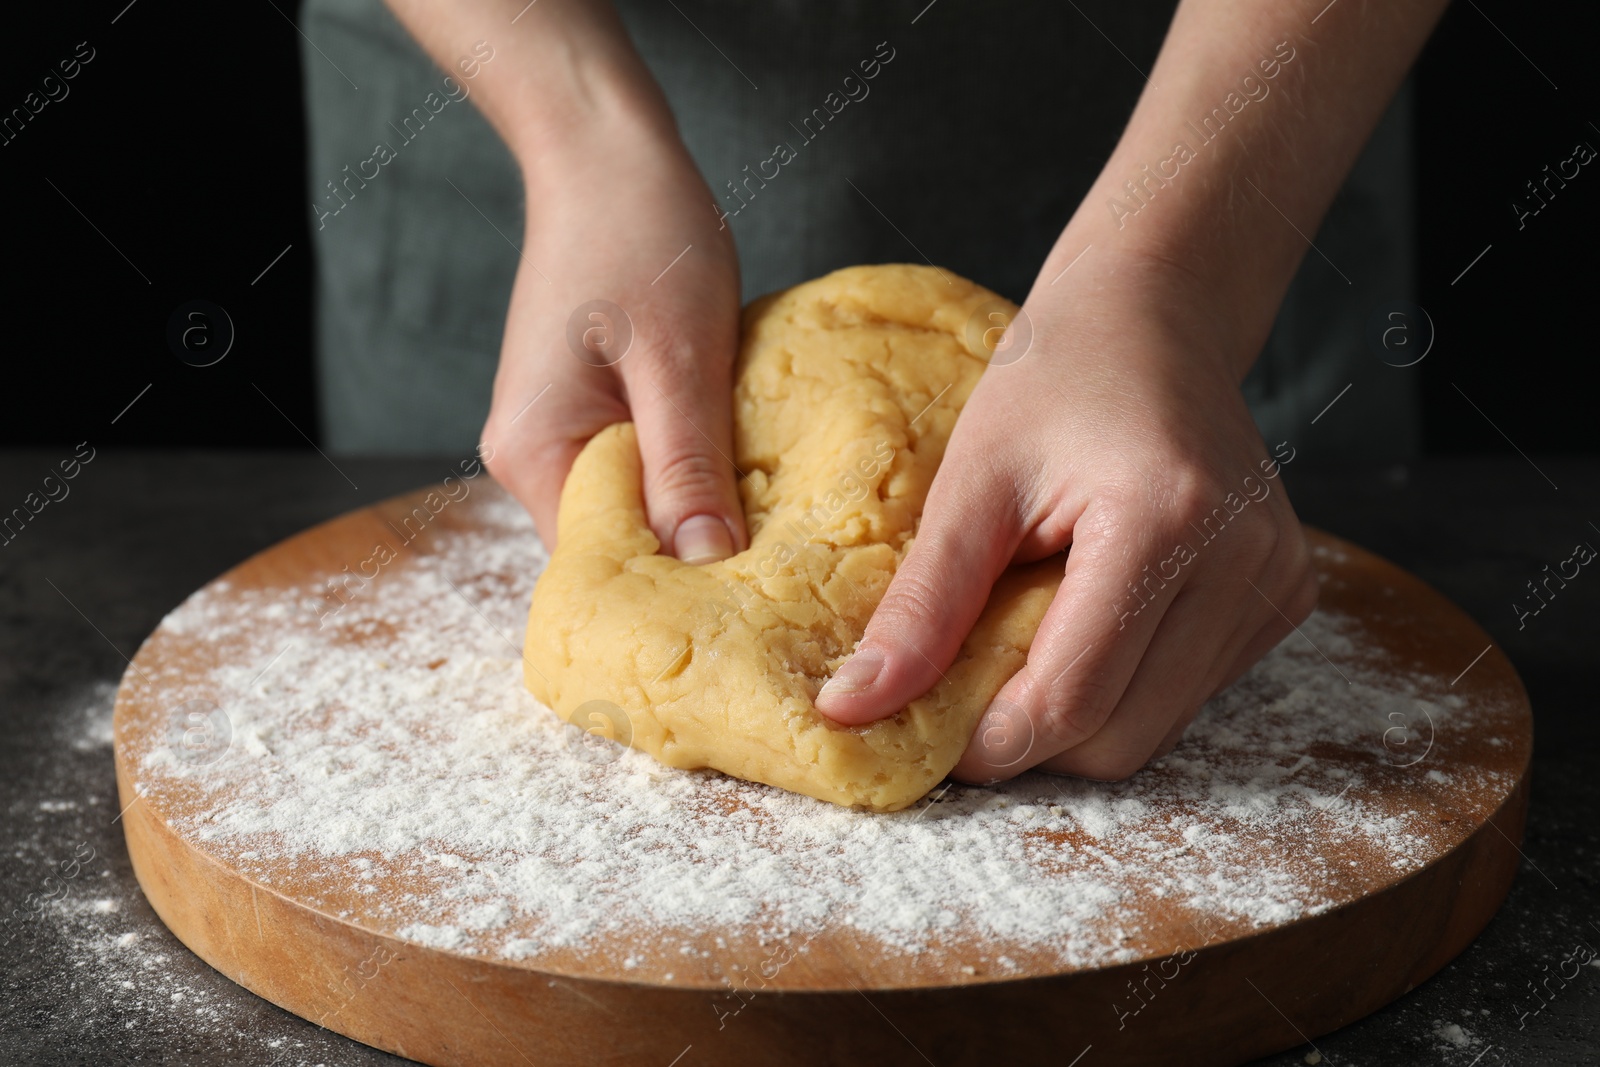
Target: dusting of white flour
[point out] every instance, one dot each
(397, 745)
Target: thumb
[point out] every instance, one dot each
(686, 443)
(967, 537)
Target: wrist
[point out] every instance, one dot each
(1094, 285)
(588, 112)
(622, 150)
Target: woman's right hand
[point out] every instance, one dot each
(625, 306)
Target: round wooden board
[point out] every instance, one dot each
(1232, 992)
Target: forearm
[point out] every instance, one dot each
(563, 81)
(1253, 116)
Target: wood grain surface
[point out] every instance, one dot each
(1240, 991)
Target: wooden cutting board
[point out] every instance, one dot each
(1181, 990)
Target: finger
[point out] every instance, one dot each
(1088, 646)
(535, 479)
(529, 442)
(1280, 624)
(1251, 639)
(685, 425)
(935, 597)
(1176, 731)
(1175, 734)
(1178, 673)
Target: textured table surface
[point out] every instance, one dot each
(91, 976)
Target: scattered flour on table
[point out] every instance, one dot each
(91, 967)
(1453, 1035)
(398, 740)
(141, 988)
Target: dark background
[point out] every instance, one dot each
(182, 142)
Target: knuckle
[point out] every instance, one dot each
(1005, 738)
(498, 457)
(1067, 717)
(1177, 489)
(1259, 540)
(496, 462)
(671, 355)
(1192, 493)
(1183, 502)
(913, 598)
(1203, 512)
(691, 475)
(1205, 507)
(663, 361)
(520, 461)
(1113, 505)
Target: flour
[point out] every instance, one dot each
(90, 967)
(145, 989)
(398, 746)
(1453, 1035)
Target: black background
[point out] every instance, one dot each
(182, 142)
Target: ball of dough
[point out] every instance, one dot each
(847, 388)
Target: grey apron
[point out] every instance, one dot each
(970, 148)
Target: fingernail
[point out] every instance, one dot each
(857, 672)
(702, 539)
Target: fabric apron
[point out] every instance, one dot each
(970, 148)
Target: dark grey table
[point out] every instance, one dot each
(92, 977)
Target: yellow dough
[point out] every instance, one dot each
(847, 388)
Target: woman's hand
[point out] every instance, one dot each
(625, 306)
(626, 301)
(1122, 433)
